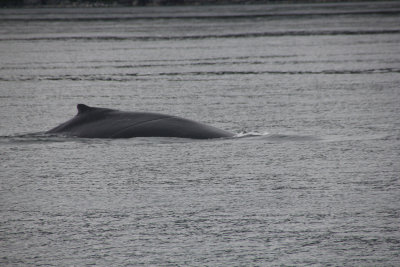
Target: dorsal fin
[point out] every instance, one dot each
(82, 108)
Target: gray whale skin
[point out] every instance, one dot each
(93, 122)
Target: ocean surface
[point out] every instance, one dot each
(312, 177)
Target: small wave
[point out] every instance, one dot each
(250, 134)
(277, 138)
(368, 137)
(206, 36)
(32, 138)
(291, 137)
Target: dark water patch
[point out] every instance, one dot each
(113, 78)
(202, 37)
(211, 73)
(124, 77)
(238, 15)
(224, 58)
(184, 63)
(124, 64)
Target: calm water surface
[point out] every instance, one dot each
(312, 178)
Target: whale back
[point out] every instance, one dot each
(93, 122)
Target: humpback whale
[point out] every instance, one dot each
(94, 122)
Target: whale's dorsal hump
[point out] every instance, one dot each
(82, 108)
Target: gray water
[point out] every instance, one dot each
(311, 179)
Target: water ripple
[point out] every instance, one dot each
(205, 36)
